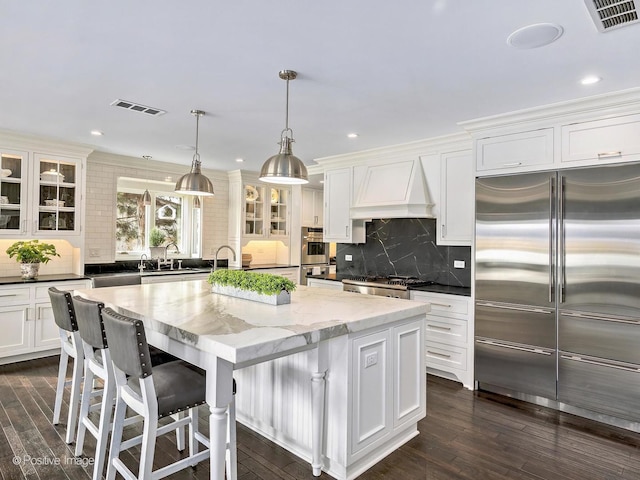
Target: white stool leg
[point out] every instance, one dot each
(62, 376)
(193, 428)
(180, 442)
(116, 437)
(85, 403)
(74, 401)
(147, 449)
(231, 456)
(104, 426)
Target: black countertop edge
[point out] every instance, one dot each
(187, 271)
(435, 288)
(60, 277)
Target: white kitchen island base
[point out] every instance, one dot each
(332, 373)
(375, 395)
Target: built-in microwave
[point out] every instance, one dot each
(314, 249)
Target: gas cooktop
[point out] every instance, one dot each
(391, 281)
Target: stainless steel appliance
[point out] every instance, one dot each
(315, 253)
(558, 288)
(392, 286)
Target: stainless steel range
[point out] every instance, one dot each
(393, 286)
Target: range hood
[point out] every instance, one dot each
(392, 190)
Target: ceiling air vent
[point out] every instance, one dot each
(136, 107)
(612, 14)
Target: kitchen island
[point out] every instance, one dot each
(336, 378)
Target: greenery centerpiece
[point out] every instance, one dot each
(156, 239)
(30, 254)
(259, 287)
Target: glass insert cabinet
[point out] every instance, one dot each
(39, 194)
(266, 211)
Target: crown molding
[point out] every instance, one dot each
(39, 144)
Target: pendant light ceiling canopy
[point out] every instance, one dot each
(146, 196)
(194, 182)
(285, 167)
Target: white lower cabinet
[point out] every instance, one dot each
(449, 336)
(26, 320)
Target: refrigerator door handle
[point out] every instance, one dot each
(577, 358)
(551, 243)
(538, 351)
(605, 319)
(511, 307)
(562, 283)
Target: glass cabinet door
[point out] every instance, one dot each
(254, 203)
(279, 211)
(57, 195)
(12, 192)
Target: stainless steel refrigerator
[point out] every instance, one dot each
(558, 288)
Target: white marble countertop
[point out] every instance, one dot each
(242, 331)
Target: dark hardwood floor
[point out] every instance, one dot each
(465, 436)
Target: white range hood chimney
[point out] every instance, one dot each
(395, 189)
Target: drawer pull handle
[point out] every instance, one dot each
(512, 164)
(445, 305)
(600, 364)
(8, 294)
(438, 327)
(443, 355)
(610, 154)
(519, 309)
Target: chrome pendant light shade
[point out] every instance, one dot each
(285, 167)
(194, 182)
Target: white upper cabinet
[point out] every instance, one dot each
(41, 194)
(456, 218)
(516, 151)
(312, 207)
(603, 141)
(338, 226)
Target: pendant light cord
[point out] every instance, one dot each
(197, 155)
(286, 117)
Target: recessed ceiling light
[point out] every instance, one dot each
(96, 133)
(590, 80)
(239, 160)
(352, 135)
(536, 35)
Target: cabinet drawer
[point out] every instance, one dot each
(446, 330)
(13, 296)
(515, 151)
(443, 305)
(445, 356)
(42, 291)
(609, 139)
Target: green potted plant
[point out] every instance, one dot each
(156, 239)
(259, 287)
(30, 254)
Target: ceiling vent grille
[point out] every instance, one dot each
(612, 14)
(136, 107)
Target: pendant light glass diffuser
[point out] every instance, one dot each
(146, 196)
(285, 167)
(194, 182)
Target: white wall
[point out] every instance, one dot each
(103, 171)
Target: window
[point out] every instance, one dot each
(167, 212)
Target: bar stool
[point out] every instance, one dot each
(70, 346)
(154, 393)
(97, 363)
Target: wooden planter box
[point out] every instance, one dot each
(282, 298)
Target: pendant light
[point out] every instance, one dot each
(194, 182)
(285, 167)
(146, 196)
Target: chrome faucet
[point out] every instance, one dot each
(168, 261)
(215, 259)
(141, 265)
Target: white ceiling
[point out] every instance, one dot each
(392, 71)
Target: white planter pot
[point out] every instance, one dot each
(29, 270)
(282, 298)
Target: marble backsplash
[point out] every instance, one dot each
(405, 246)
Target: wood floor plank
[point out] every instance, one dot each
(465, 436)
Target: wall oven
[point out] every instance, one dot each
(314, 249)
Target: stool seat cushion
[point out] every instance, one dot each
(178, 387)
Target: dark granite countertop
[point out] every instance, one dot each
(201, 267)
(435, 288)
(60, 277)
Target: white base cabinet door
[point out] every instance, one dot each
(16, 335)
